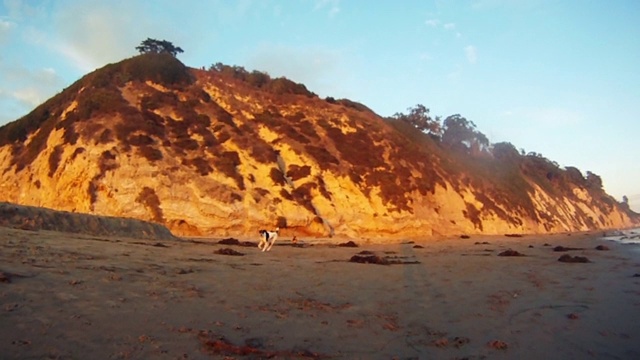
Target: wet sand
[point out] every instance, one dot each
(69, 296)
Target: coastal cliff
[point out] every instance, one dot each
(226, 152)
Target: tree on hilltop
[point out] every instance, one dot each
(594, 181)
(158, 46)
(460, 133)
(420, 118)
(505, 151)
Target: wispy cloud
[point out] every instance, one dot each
(333, 6)
(18, 9)
(31, 96)
(448, 26)
(432, 22)
(515, 4)
(5, 25)
(25, 89)
(96, 33)
(425, 56)
(471, 53)
(5, 29)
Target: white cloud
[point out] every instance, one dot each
(333, 6)
(5, 29)
(6, 25)
(425, 56)
(22, 89)
(471, 53)
(450, 26)
(93, 33)
(515, 4)
(432, 22)
(31, 96)
(20, 9)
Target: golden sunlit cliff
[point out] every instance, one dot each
(212, 153)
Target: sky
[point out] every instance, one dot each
(559, 78)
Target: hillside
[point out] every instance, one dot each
(227, 152)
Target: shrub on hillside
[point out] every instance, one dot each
(150, 153)
(227, 163)
(200, 164)
(160, 68)
(322, 156)
(54, 159)
(297, 172)
(150, 200)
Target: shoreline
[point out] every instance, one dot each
(287, 235)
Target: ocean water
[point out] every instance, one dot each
(629, 236)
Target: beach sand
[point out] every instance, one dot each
(69, 296)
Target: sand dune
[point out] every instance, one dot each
(72, 296)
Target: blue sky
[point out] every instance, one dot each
(560, 78)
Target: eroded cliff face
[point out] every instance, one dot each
(207, 154)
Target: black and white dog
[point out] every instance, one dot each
(267, 238)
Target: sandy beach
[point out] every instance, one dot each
(69, 296)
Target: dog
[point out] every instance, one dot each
(267, 239)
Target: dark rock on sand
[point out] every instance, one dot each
(418, 247)
(465, 237)
(254, 348)
(457, 342)
(369, 259)
(5, 277)
(573, 259)
(511, 253)
(602, 248)
(513, 235)
(562, 248)
(229, 241)
(498, 344)
(460, 341)
(228, 251)
(348, 244)
(442, 342)
(232, 241)
(365, 252)
(256, 343)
